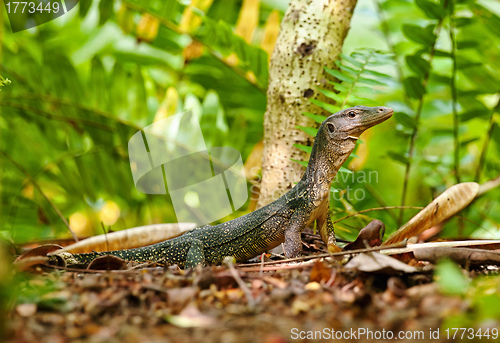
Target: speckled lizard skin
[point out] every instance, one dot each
(282, 220)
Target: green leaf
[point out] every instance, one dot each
(219, 36)
(450, 278)
(441, 53)
(490, 20)
(309, 130)
(376, 74)
(105, 10)
(84, 8)
(495, 134)
(339, 75)
(302, 147)
(332, 95)
(329, 107)
(315, 117)
(372, 82)
(341, 87)
(356, 100)
(414, 87)
(366, 90)
(467, 44)
(398, 157)
(464, 21)
(98, 83)
(463, 144)
(349, 69)
(420, 35)
(475, 113)
(431, 9)
(418, 65)
(345, 170)
(352, 60)
(405, 120)
(302, 163)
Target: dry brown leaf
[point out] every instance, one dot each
(451, 201)
(192, 51)
(320, 272)
(40, 251)
(464, 256)
(128, 239)
(28, 262)
(378, 263)
(371, 234)
(107, 262)
(490, 244)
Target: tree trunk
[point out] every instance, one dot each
(311, 37)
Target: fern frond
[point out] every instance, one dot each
(358, 79)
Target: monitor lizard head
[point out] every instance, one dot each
(350, 123)
(336, 139)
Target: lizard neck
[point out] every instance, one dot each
(326, 159)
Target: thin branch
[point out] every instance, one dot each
(376, 209)
(39, 189)
(241, 283)
(342, 253)
(413, 137)
(380, 201)
(456, 121)
(384, 25)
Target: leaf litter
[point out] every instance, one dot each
(122, 302)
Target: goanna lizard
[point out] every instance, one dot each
(281, 221)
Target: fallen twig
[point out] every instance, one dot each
(342, 253)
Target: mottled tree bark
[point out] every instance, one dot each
(311, 36)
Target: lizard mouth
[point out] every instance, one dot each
(380, 115)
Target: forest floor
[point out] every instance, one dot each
(318, 300)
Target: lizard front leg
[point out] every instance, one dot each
(195, 254)
(327, 232)
(293, 243)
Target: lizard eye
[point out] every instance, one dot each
(351, 114)
(331, 127)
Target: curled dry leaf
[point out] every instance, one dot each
(320, 272)
(131, 238)
(28, 262)
(371, 234)
(451, 201)
(108, 262)
(35, 257)
(42, 250)
(378, 263)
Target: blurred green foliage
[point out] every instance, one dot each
(84, 83)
